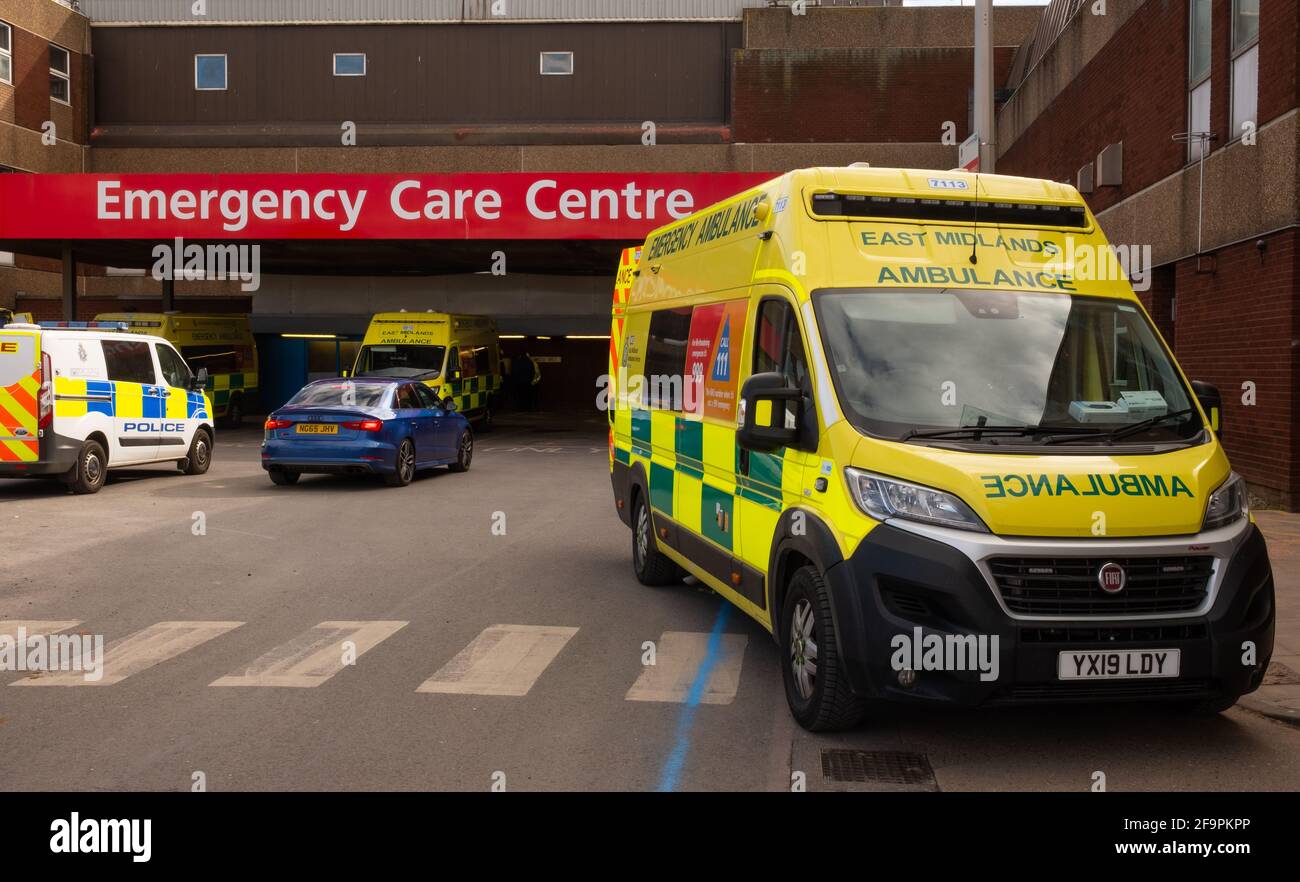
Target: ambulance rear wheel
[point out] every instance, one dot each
(200, 455)
(235, 413)
(88, 475)
(652, 567)
(816, 684)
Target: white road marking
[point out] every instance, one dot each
(678, 655)
(502, 660)
(314, 656)
(33, 627)
(138, 652)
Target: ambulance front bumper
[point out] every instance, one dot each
(939, 588)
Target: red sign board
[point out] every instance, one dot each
(512, 205)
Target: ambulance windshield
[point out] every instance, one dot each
(410, 361)
(911, 363)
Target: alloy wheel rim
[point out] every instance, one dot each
(803, 648)
(466, 449)
(642, 535)
(408, 460)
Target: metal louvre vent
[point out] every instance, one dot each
(1068, 586)
(880, 767)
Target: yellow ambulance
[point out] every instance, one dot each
(221, 343)
(458, 356)
(902, 420)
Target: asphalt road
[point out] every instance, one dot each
(410, 713)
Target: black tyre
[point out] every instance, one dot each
(283, 477)
(816, 685)
(91, 470)
(464, 452)
(235, 412)
(404, 473)
(485, 422)
(651, 567)
(200, 455)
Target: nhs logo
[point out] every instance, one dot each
(722, 361)
(946, 184)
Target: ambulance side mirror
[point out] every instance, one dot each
(200, 381)
(767, 423)
(1211, 402)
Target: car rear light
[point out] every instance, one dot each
(365, 425)
(272, 424)
(45, 400)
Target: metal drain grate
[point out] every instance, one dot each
(1279, 674)
(878, 767)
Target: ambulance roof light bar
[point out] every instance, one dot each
(87, 326)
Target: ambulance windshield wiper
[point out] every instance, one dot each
(1122, 431)
(976, 431)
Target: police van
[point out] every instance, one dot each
(899, 419)
(458, 356)
(222, 344)
(77, 399)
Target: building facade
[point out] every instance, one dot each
(1176, 118)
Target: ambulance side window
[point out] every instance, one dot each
(665, 357)
(173, 367)
(128, 361)
(778, 347)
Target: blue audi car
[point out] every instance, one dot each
(368, 425)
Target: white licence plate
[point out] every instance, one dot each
(1124, 664)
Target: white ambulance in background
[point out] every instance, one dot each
(79, 398)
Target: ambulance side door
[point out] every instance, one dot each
(137, 400)
(178, 409)
(772, 482)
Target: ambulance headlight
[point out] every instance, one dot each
(1227, 504)
(884, 498)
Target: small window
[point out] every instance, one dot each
(665, 357)
(1199, 121)
(129, 361)
(6, 54)
(60, 75)
(557, 64)
(778, 348)
(1199, 42)
(210, 73)
(1245, 65)
(349, 64)
(174, 371)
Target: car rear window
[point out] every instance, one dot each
(341, 394)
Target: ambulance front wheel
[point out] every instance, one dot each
(235, 412)
(816, 684)
(652, 567)
(88, 475)
(200, 455)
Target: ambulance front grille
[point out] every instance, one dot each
(1042, 586)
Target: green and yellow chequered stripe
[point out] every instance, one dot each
(221, 386)
(472, 393)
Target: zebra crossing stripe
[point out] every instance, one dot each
(501, 660)
(314, 656)
(678, 656)
(138, 652)
(33, 627)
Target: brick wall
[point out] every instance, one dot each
(1238, 325)
(1134, 90)
(27, 102)
(854, 94)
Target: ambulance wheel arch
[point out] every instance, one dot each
(814, 545)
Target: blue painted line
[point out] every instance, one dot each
(672, 770)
